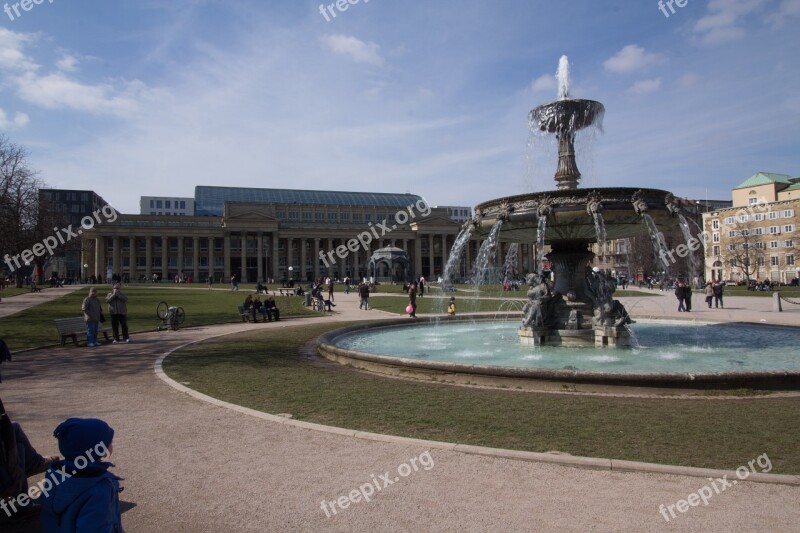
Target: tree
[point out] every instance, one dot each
(20, 224)
(744, 248)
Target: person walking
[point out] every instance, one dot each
(718, 290)
(709, 291)
(421, 287)
(363, 292)
(687, 296)
(680, 295)
(412, 299)
(330, 290)
(118, 309)
(92, 315)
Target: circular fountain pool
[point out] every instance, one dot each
(669, 355)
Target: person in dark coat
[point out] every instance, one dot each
(680, 294)
(687, 296)
(87, 500)
(412, 300)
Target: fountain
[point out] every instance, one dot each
(568, 326)
(579, 309)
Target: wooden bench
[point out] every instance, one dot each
(72, 327)
(245, 314)
(287, 291)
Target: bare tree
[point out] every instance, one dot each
(19, 206)
(745, 249)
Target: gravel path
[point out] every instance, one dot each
(193, 466)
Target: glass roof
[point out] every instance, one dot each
(210, 200)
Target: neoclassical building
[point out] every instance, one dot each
(759, 237)
(277, 234)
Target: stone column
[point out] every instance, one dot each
(132, 259)
(273, 252)
(260, 254)
(289, 257)
(226, 250)
(444, 251)
(431, 256)
(303, 259)
(329, 270)
(211, 257)
(116, 259)
(316, 258)
(418, 256)
(180, 255)
(195, 259)
(164, 257)
(99, 255)
(244, 257)
(148, 258)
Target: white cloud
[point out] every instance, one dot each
(20, 120)
(723, 21)
(688, 80)
(12, 56)
(544, 83)
(631, 58)
(358, 50)
(645, 86)
(787, 9)
(67, 63)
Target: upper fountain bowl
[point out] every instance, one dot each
(567, 115)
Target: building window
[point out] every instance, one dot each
(730, 220)
(789, 213)
(772, 215)
(158, 205)
(167, 204)
(344, 218)
(731, 247)
(773, 230)
(788, 228)
(775, 261)
(760, 261)
(789, 260)
(753, 201)
(773, 244)
(294, 215)
(152, 204)
(731, 233)
(758, 217)
(715, 237)
(332, 218)
(368, 217)
(183, 204)
(759, 231)
(715, 224)
(356, 217)
(789, 243)
(307, 216)
(319, 216)
(716, 251)
(743, 218)
(281, 215)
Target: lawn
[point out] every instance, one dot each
(34, 327)
(12, 291)
(704, 433)
(789, 292)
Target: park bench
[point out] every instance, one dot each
(287, 291)
(245, 314)
(318, 304)
(72, 327)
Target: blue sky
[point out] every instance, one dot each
(152, 98)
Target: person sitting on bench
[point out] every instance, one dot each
(271, 309)
(316, 293)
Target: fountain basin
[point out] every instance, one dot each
(568, 218)
(673, 356)
(567, 115)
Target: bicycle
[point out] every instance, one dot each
(171, 317)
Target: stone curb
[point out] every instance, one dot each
(593, 463)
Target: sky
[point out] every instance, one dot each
(145, 98)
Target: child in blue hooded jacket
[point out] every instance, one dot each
(84, 494)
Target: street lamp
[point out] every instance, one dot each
(85, 271)
(291, 269)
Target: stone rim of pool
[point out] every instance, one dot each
(547, 379)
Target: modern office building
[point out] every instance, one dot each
(460, 214)
(166, 205)
(65, 207)
(758, 237)
(277, 234)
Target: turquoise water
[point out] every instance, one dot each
(664, 348)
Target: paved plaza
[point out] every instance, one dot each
(193, 465)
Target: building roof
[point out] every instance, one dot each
(210, 200)
(795, 187)
(765, 178)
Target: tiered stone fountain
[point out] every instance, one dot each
(578, 309)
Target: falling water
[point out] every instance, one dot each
(486, 255)
(510, 264)
(562, 74)
(659, 244)
(454, 260)
(687, 234)
(599, 228)
(540, 229)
